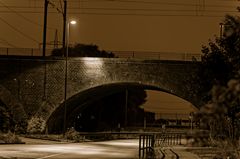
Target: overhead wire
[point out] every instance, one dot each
(154, 2)
(125, 14)
(149, 2)
(140, 14)
(6, 42)
(19, 31)
(60, 2)
(161, 10)
(127, 9)
(203, 13)
(25, 18)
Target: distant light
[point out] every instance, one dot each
(73, 22)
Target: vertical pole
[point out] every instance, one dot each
(65, 47)
(45, 27)
(139, 147)
(126, 108)
(65, 85)
(144, 120)
(64, 24)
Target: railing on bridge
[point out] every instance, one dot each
(120, 54)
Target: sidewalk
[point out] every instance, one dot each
(183, 153)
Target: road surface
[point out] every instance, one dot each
(40, 149)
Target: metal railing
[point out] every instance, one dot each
(169, 139)
(148, 143)
(146, 146)
(178, 56)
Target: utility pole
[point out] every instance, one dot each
(126, 108)
(45, 26)
(66, 66)
(64, 24)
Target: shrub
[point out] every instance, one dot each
(10, 138)
(36, 125)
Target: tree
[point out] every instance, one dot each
(83, 50)
(220, 59)
(220, 82)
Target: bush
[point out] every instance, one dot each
(36, 125)
(10, 138)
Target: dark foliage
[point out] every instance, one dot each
(6, 119)
(220, 84)
(220, 59)
(83, 50)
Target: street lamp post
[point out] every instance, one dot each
(72, 22)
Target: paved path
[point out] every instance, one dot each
(40, 149)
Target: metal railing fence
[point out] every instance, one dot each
(149, 142)
(178, 56)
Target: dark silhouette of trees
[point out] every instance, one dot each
(83, 50)
(220, 82)
(6, 120)
(220, 59)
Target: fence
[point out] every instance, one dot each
(146, 146)
(24, 51)
(158, 55)
(148, 143)
(120, 54)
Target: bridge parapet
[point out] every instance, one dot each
(177, 56)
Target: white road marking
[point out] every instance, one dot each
(50, 156)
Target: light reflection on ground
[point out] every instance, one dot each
(108, 149)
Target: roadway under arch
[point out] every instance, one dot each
(84, 99)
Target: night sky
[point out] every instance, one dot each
(140, 25)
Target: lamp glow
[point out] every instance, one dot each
(73, 22)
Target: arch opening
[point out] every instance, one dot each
(103, 108)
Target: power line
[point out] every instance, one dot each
(73, 8)
(124, 14)
(132, 9)
(136, 9)
(20, 32)
(17, 13)
(153, 2)
(144, 2)
(161, 10)
(60, 1)
(6, 42)
(139, 14)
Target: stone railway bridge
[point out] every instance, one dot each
(33, 88)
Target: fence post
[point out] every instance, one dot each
(140, 145)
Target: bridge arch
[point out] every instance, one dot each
(83, 99)
(42, 81)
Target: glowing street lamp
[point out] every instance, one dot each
(69, 23)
